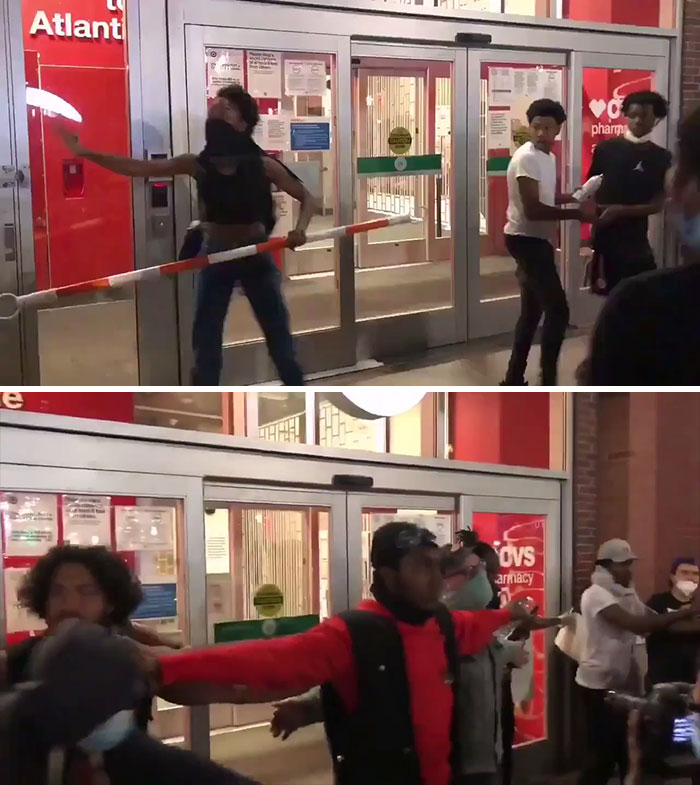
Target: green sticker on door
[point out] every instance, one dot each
(268, 600)
(400, 141)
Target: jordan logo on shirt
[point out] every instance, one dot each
(638, 168)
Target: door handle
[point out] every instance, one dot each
(10, 242)
(9, 176)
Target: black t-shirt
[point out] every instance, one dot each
(648, 333)
(633, 174)
(18, 671)
(672, 657)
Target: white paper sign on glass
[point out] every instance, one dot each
(224, 68)
(305, 77)
(218, 546)
(29, 523)
(86, 520)
(273, 132)
(144, 528)
(265, 74)
(19, 619)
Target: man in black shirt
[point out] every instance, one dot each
(673, 653)
(649, 330)
(633, 170)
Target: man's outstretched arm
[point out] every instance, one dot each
(295, 663)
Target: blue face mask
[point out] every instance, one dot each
(688, 230)
(110, 734)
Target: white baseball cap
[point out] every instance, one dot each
(618, 551)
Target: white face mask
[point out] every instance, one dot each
(688, 588)
(630, 137)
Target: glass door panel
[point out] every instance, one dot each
(270, 573)
(403, 154)
(603, 82)
(296, 81)
(366, 513)
(502, 88)
(525, 535)
(148, 533)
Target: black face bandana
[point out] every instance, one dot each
(225, 146)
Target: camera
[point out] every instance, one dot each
(670, 734)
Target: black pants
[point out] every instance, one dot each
(477, 779)
(262, 283)
(541, 293)
(611, 265)
(607, 740)
(507, 730)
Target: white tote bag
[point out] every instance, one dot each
(572, 641)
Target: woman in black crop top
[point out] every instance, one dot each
(234, 179)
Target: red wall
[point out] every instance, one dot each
(509, 428)
(645, 13)
(85, 231)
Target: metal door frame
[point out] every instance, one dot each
(19, 337)
(493, 317)
(444, 325)
(539, 756)
(584, 305)
(319, 350)
(357, 501)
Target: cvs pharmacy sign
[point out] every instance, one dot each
(11, 400)
(517, 556)
(600, 106)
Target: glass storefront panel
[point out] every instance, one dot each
(403, 137)
(268, 574)
(296, 95)
(507, 90)
(76, 66)
(520, 541)
(604, 90)
(148, 534)
(440, 522)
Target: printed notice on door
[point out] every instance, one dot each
(144, 528)
(265, 74)
(19, 619)
(305, 77)
(30, 523)
(86, 520)
(224, 68)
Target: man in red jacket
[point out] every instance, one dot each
(388, 671)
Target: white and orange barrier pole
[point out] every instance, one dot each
(48, 296)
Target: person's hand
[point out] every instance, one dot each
(71, 141)
(148, 661)
(588, 212)
(610, 215)
(521, 612)
(568, 620)
(289, 716)
(520, 658)
(295, 238)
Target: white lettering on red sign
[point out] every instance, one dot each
(613, 108)
(517, 556)
(64, 26)
(11, 400)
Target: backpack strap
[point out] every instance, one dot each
(443, 617)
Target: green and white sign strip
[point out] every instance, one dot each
(400, 166)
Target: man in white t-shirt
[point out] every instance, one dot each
(614, 618)
(532, 219)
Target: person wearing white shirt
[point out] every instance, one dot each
(614, 618)
(532, 219)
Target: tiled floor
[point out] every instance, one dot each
(480, 363)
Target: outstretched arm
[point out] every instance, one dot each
(131, 167)
(295, 663)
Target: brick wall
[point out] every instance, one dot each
(585, 491)
(691, 53)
